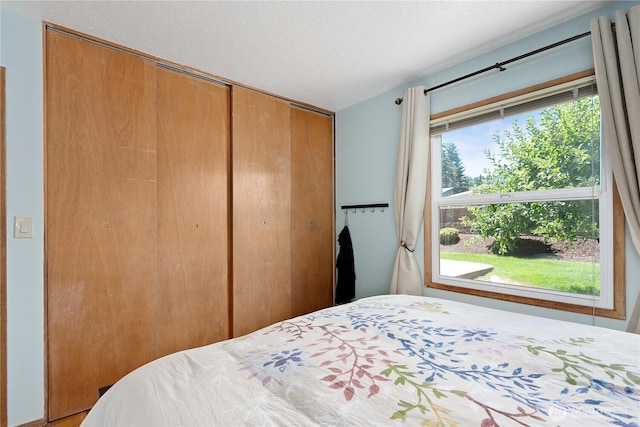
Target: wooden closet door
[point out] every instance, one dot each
(261, 210)
(312, 236)
(101, 222)
(193, 165)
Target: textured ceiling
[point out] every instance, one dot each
(329, 54)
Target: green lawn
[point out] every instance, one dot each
(567, 276)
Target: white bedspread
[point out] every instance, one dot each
(391, 360)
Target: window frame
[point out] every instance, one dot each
(617, 222)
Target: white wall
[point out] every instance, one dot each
(21, 54)
(366, 141)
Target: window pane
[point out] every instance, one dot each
(518, 183)
(551, 245)
(552, 148)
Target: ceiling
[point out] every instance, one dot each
(329, 54)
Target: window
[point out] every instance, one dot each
(521, 201)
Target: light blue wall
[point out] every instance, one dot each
(366, 141)
(21, 54)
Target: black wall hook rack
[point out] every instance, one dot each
(371, 206)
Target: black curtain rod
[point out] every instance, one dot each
(500, 65)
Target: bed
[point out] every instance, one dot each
(386, 361)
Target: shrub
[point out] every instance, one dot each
(449, 236)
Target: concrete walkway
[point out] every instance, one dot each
(463, 269)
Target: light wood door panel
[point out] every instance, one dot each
(70, 421)
(101, 222)
(193, 164)
(312, 236)
(261, 210)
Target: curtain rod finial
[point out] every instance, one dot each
(398, 101)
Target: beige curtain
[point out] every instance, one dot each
(411, 186)
(634, 322)
(617, 64)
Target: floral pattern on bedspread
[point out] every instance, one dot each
(393, 360)
(436, 367)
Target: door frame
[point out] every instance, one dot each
(3, 256)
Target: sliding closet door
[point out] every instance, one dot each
(101, 222)
(193, 165)
(261, 210)
(312, 236)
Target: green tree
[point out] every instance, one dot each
(453, 173)
(553, 151)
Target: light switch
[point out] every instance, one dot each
(23, 227)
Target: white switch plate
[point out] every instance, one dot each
(23, 227)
